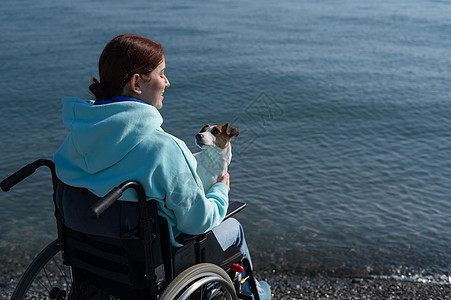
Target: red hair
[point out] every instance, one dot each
(122, 57)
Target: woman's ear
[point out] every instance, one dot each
(135, 84)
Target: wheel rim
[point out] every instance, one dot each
(213, 278)
(204, 278)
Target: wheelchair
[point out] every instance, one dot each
(140, 265)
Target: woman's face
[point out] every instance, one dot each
(153, 88)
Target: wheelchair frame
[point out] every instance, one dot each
(198, 270)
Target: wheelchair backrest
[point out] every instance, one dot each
(113, 259)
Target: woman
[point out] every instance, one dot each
(118, 137)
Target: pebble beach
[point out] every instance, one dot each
(289, 285)
(293, 286)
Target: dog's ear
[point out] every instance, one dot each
(230, 131)
(235, 132)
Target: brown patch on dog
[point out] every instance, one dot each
(224, 133)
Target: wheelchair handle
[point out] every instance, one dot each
(26, 171)
(100, 206)
(103, 204)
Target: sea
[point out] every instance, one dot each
(344, 109)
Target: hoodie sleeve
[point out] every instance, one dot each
(194, 211)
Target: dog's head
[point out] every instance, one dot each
(216, 136)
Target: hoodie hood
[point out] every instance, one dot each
(101, 135)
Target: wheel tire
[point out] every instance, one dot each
(195, 277)
(41, 280)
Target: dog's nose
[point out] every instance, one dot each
(198, 136)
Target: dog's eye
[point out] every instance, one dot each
(205, 128)
(215, 131)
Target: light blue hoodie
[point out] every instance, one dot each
(111, 143)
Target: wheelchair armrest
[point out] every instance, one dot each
(233, 209)
(185, 239)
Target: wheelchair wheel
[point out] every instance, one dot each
(46, 277)
(202, 281)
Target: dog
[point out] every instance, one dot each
(214, 159)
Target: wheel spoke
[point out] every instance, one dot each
(62, 270)
(48, 280)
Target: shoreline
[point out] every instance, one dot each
(292, 285)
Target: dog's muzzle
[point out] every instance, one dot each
(199, 139)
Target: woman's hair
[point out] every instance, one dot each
(122, 57)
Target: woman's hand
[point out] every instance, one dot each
(226, 180)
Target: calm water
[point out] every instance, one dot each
(344, 107)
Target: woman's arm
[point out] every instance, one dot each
(194, 211)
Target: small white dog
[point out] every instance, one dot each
(214, 159)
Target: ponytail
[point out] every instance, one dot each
(98, 90)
